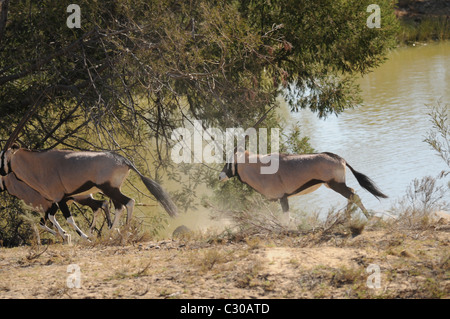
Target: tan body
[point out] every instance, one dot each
(296, 175)
(43, 171)
(294, 171)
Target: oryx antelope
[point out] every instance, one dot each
(59, 175)
(297, 175)
(36, 201)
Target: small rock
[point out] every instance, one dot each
(180, 231)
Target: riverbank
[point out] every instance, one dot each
(386, 260)
(423, 20)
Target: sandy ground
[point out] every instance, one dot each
(407, 264)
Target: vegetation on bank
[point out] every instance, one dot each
(427, 29)
(423, 21)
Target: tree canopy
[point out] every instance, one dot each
(136, 69)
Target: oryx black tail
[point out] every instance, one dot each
(155, 189)
(161, 195)
(367, 183)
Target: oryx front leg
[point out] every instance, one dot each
(285, 207)
(77, 229)
(43, 225)
(61, 231)
(105, 207)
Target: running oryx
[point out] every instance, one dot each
(297, 175)
(60, 174)
(36, 201)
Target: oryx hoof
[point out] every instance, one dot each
(68, 239)
(286, 219)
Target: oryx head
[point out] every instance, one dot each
(228, 171)
(230, 168)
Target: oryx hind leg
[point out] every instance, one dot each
(120, 201)
(119, 210)
(96, 206)
(130, 208)
(117, 214)
(350, 194)
(105, 207)
(66, 212)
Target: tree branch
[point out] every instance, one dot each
(4, 6)
(37, 64)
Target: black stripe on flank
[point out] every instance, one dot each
(306, 186)
(83, 188)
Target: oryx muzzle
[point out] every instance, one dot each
(59, 175)
(298, 174)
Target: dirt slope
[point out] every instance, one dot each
(412, 264)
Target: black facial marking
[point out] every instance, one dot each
(229, 171)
